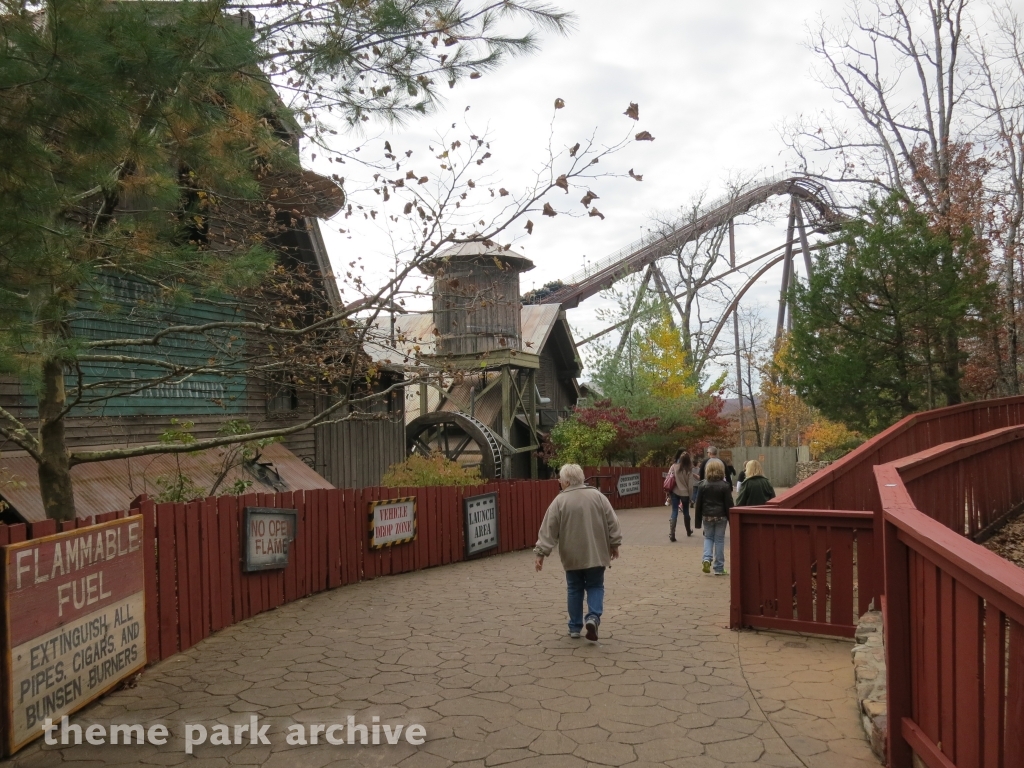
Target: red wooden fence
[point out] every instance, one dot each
(652, 494)
(195, 584)
(802, 570)
(846, 487)
(954, 612)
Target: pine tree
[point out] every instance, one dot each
(142, 139)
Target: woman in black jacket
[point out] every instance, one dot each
(756, 488)
(713, 504)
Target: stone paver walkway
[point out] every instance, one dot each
(478, 653)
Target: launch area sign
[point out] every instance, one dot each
(481, 522)
(75, 612)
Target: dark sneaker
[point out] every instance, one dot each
(706, 567)
(591, 627)
(574, 635)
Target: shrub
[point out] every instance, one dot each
(427, 471)
(576, 442)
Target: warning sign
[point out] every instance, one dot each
(392, 522)
(75, 611)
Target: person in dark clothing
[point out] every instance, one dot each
(682, 469)
(713, 504)
(730, 473)
(712, 454)
(756, 488)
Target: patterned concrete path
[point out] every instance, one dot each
(478, 653)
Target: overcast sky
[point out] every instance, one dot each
(714, 81)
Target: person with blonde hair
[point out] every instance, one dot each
(756, 488)
(582, 523)
(713, 504)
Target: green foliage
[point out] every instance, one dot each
(429, 471)
(578, 443)
(872, 332)
(653, 380)
(179, 487)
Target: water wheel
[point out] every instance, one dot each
(459, 438)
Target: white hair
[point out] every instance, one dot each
(571, 474)
(712, 451)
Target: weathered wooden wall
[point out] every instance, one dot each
(779, 463)
(356, 454)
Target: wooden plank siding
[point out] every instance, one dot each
(356, 454)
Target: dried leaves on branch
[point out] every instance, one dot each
(152, 225)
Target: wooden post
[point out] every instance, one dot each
(531, 384)
(506, 419)
(736, 336)
(896, 621)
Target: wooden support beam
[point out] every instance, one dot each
(531, 385)
(506, 418)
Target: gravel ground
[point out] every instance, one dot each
(1009, 542)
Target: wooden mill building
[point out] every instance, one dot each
(505, 373)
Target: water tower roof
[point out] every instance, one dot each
(479, 250)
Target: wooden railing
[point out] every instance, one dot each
(801, 570)
(831, 499)
(954, 611)
(849, 482)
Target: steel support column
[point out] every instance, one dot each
(736, 336)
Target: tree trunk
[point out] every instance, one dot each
(951, 368)
(55, 468)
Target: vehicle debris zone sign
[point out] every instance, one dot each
(629, 484)
(392, 522)
(481, 522)
(75, 610)
(269, 533)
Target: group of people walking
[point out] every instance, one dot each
(582, 524)
(709, 488)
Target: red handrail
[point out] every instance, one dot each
(954, 611)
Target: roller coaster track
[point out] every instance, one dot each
(824, 217)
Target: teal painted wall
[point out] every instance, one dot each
(120, 307)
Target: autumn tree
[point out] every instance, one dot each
(901, 69)
(154, 146)
(787, 417)
(653, 380)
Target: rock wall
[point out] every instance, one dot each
(805, 469)
(869, 673)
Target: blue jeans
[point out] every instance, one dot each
(591, 581)
(714, 537)
(681, 501)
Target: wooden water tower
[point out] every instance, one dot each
(476, 299)
(477, 317)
